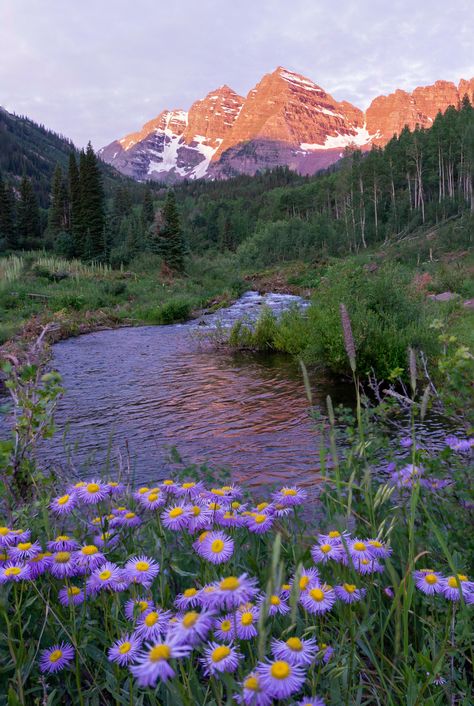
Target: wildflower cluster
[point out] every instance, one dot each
(215, 622)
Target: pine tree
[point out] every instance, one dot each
(28, 219)
(170, 244)
(92, 206)
(58, 215)
(75, 222)
(148, 211)
(8, 237)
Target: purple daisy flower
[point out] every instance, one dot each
(107, 539)
(348, 593)
(335, 536)
(217, 547)
(325, 653)
(259, 522)
(176, 517)
(277, 604)
(279, 679)
(220, 658)
(323, 552)
(368, 566)
(189, 598)
(24, 551)
(62, 543)
(232, 591)
(427, 581)
(18, 535)
(461, 445)
(252, 692)
(125, 650)
(229, 518)
(280, 510)
(378, 549)
(140, 492)
(192, 627)
(299, 653)
(14, 571)
(115, 488)
(135, 607)
(108, 576)
(63, 565)
(88, 557)
(152, 500)
(200, 518)
(246, 620)
(3, 557)
(71, 595)
(290, 496)
(359, 549)
(308, 578)
(56, 658)
(142, 570)
(153, 663)
(406, 442)
(189, 489)
(126, 519)
(311, 701)
(152, 624)
(198, 543)
(318, 599)
(39, 564)
(6, 536)
(453, 586)
(224, 628)
(93, 492)
(169, 486)
(63, 504)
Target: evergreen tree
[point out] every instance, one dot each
(58, 215)
(28, 219)
(75, 222)
(169, 237)
(92, 206)
(148, 210)
(8, 238)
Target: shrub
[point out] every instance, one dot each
(178, 309)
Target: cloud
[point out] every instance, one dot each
(101, 68)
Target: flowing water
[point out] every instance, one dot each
(140, 391)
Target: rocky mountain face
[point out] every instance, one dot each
(286, 119)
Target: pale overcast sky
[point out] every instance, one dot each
(97, 69)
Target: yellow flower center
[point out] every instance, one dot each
(143, 605)
(168, 482)
(220, 653)
(73, 591)
(304, 581)
(325, 548)
(142, 566)
(24, 546)
(295, 644)
(176, 512)
(231, 583)
(251, 683)
(203, 536)
(359, 547)
(4, 531)
(285, 587)
(217, 546)
(235, 505)
(349, 587)
(93, 488)
(187, 486)
(129, 515)
(125, 647)
(55, 655)
(217, 491)
(259, 519)
(189, 619)
(431, 579)
(62, 557)
(159, 652)
(63, 499)
(334, 533)
(196, 510)
(247, 618)
(62, 538)
(151, 619)
(12, 571)
(375, 543)
(226, 625)
(142, 491)
(89, 550)
(190, 592)
(262, 506)
(316, 594)
(80, 484)
(274, 600)
(288, 491)
(113, 483)
(280, 670)
(105, 575)
(214, 506)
